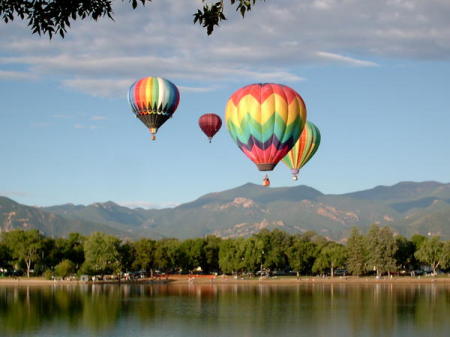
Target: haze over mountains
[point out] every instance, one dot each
(407, 207)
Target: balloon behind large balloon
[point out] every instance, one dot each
(265, 121)
(210, 124)
(153, 100)
(304, 149)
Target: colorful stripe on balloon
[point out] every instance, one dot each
(153, 95)
(265, 120)
(305, 148)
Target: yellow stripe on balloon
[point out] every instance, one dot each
(296, 107)
(148, 93)
(250, 107)
(232, 114)
(267, 109)
(282, 108)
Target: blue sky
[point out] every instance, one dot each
(374, 76)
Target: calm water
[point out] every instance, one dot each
(226, 310)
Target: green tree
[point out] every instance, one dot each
(445, 260)
(418, 239)
(65, 268)
(5, 257)
(101, 254)
(192, 254)
(71, 248)
(231, 255)
(144, 258)
(381, 247)
(51, 17)
(25, 246)
(167, 254)
(301, 254)
(127, 255)
(251, 253)
(333, 255)
(212, 253)
(405, 253)
(49, 256)
(431, 252)
(356, 253)
(273, 246)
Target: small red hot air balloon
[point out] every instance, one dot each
(210, 124)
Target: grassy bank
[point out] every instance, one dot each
(207, 279)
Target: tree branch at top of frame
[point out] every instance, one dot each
(54, 17)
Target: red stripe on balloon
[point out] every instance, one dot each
(260, 156)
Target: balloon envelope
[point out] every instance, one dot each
(153, 100)
(304, 149)
(210, 124)
(265, 120)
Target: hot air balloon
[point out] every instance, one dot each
(153, 100)
(265, 121)
(210, 124)
(304, 149)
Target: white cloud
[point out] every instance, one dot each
(346, 59)
(147, 205)
(62, 116)
(84, 126)
(14, 194)
(196, 89)
(16, 75)
(102, 87)
(98, 118)
(40, 124)
(103, 58)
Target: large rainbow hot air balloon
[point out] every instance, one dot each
(304, 149)
(153, 100)
(265, 120)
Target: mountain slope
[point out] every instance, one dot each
(407, 207)
(16, 216)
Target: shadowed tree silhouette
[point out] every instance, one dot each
(49, 17)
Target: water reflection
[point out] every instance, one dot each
(226, 310)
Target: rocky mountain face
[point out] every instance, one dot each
(407, 207)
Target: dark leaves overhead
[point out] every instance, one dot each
(49, 17)
(212, 13)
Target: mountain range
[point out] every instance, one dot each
(407, 207)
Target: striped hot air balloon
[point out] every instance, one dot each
(304, 149)
(265, 121)
(153, 100)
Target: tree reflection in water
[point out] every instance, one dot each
(226, 310)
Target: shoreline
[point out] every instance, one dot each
(229, 280)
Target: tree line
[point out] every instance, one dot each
(378, 252)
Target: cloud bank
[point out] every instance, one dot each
(271, 44)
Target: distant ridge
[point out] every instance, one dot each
(407, 207)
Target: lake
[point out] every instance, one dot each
(226, 310)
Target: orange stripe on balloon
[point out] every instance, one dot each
(142, 95)
(302, 144)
